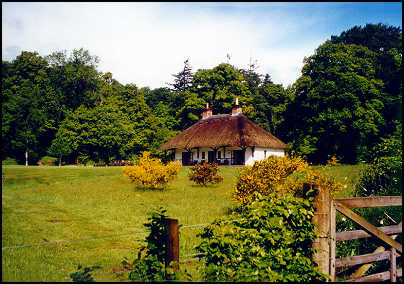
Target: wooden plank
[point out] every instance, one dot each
(359, 234)
(332, 241)
(361, 259)
(362, 270)
(373, 201)
(369, 227)
(172, 243)
(321, 220)
(393, 266)
(376, 277)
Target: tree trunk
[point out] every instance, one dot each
(60, 161)
(26, 158)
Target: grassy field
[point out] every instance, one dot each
(47, 204)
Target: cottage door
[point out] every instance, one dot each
(211, 156)
(186, 158)
(238, 156)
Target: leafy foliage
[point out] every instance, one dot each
(220, 86)
(150, 267)
(84, 276)
(338, 104)
(269, 241)
(348, 97)
(9, 161)
(47, 161)
(384, 174)
(264, 177)
(382, 177)
(205, 173)
(150, 172)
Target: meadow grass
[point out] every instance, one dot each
(47, 204)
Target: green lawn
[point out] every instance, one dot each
(46, 204)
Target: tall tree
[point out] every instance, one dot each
(220, 86)
(270, 102)
(183, 79)
(75, 77)
(24, 87)
(386, 42)
(338, 104)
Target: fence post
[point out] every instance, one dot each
(172, 243)
(321, 219)
(393, 267)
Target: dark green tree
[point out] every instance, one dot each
(75, 77)
(270, 102)
(220, 86)
(386, 42)
(24, 117)
(183, 79)
(338, 104)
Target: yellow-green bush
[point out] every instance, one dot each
(280, 174)
(205, 173)
(151, 172)
(265, 176)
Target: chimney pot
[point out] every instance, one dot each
(207, 112)
(236, 109)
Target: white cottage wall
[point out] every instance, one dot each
(259, 154)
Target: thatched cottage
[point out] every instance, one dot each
(228, 139)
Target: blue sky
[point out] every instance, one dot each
(145, 43)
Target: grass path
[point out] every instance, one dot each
(46, 204)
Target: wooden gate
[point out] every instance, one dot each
(324, 219)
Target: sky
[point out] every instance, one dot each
(145, 43)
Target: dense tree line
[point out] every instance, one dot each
(346, 100)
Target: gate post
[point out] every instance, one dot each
(321, 220)
(172, 243)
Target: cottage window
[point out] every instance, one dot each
(203, 155)
(219, 154)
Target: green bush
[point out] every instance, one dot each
(9, 161)
(47, 161)
(205, 174)
(90, 163)
(270, 241)
(150, 266)
(383, 176)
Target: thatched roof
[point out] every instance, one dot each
(224, 130)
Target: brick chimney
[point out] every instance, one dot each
(236, 109)
(207, 112)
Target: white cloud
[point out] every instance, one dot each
(145, 43)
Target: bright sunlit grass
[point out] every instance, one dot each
(47, 204)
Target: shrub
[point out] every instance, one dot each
(270, 240)
(150, 266)
(151, 172)
(265, 176)
(205, 173)
(384, 174)
(9, 161)
(47, 161)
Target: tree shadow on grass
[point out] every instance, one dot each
(148, 188)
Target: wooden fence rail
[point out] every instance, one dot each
(325, 220)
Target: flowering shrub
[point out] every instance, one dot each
(205, 173)
(151, 172)
(265, 176)
(280, 174)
